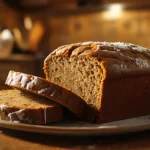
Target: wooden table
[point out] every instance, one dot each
(17, 140)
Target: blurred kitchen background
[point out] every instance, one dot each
(31, 29)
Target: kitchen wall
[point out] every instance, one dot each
(9, 18)
(58, 27)
(129, 26)
(71, 26)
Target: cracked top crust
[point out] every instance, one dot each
(47, 89)
(118, 59)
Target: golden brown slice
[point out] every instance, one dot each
(47, 89)
(16, 105)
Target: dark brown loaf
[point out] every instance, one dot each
(112, 78)
(47, 89)
(29, 108)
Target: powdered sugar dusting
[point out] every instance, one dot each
(4, 107)
(13, 78)
(8, 78)
(43, 90)
(142, 63)
(116, 45)
(14, 116)
(24, 80)
(17, 115)
(34, 82)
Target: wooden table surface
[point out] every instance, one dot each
(17, 140)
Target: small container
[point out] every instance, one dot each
(6, 43)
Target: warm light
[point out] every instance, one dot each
(6, 35)
(114, 11)
(28, 23)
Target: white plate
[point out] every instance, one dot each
(83, 128)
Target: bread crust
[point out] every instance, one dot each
(125, 82)
(117, 59)
(47, 89)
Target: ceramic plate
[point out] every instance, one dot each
(83, 128)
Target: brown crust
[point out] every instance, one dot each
(43, 115)
(119, 59)
(47, 89)
(127, 98)
(126, 76)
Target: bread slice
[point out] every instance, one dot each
(47, 89)
(16, 105)
(112, 78)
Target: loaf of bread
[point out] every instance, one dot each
(47, 89)
(21, 106)
(112, 78)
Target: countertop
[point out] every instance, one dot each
(18, 140)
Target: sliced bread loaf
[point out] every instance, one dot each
(112, 78)
(16, 105)
(47, 89)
